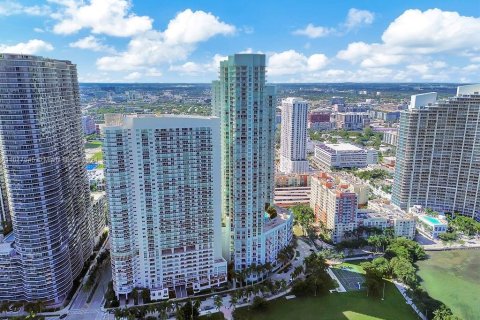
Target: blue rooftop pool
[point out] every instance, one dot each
(432, 220)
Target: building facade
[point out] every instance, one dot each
(163, 187)
(390, 137)
(319, 119)
(352, 120)
(293, 153)
(340, 155)
(46, 184)
(437, 154)
(334, 205)
(88, 125)
(246, 106)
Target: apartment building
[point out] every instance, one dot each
(164, 195)
(352, 120)
(293, 153)
(246, 106)
(319, 119)
(43, 163)
(390, 137)
(438, 151)
(334, 205)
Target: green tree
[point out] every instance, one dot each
(146, 295)
(404, 271)
(444, 313)
(259, 304)
(218, 302)
(303, 216)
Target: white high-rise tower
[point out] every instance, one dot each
(293, 153)
(163, 187)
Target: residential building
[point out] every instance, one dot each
(287, 197)
(319, 119)
(41, 138)
(293, 153)
(334, 205)
(438, 151)
(88, 125)
(351, 120)
(339, 155)
(246, 106)
(164, 196)
(99, 213)
(372, 156)
(385, 115)
(381, 214)
(390, 137)
(292, 180)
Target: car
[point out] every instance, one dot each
(311, 250)
(63, 316)
(208, 308)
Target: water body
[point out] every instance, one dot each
(453, 277)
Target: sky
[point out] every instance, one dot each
(304, 41)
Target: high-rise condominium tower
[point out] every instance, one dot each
(163, 187)
(46, 184)
(438, 153)
(246, 107)
(293, 152)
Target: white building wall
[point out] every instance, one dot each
(293, 151)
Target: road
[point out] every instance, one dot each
(81, 310)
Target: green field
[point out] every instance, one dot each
(337, 306)
(453, 277)
(93, 144)
(96, 157)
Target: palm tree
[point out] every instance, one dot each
(268, 267)
(218, 302)
(233, 299)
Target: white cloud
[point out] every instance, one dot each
(471, 67)
(356, 18)
(133, 76)
(38, 30)
(293, 62)
(193, 68)
(30, 47)
(414, 35)
(91, 43)
(176, 43)
(313, 32)
(110, 17)
(432, 31)
(190, 27)
(12, 7)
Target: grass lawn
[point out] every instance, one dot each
(93, 144)
(213, 316)
(453, 277)
(97, 156)
(354, 305)
(297, 230)
(353, 266)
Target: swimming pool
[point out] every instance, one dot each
(430, 219)
(91, 166)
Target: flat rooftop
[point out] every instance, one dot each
(341, 147)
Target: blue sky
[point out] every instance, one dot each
(305, 41)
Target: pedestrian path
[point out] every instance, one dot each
(403, 290)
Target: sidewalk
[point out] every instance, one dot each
(403, 290)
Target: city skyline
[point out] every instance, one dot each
(131, 41)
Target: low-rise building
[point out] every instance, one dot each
(339, 155)
(382, 214)
(277, 234)
(432, 227)
(319, 119)
(390, 137)
(291, 196)
(352, 120)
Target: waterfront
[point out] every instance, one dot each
(453, 277)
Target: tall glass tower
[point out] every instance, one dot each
(246, 107)
(46, 184)
(438, 153)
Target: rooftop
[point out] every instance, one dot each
(342, 147)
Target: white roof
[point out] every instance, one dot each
(343, 147)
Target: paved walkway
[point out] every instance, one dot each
(403, 290)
